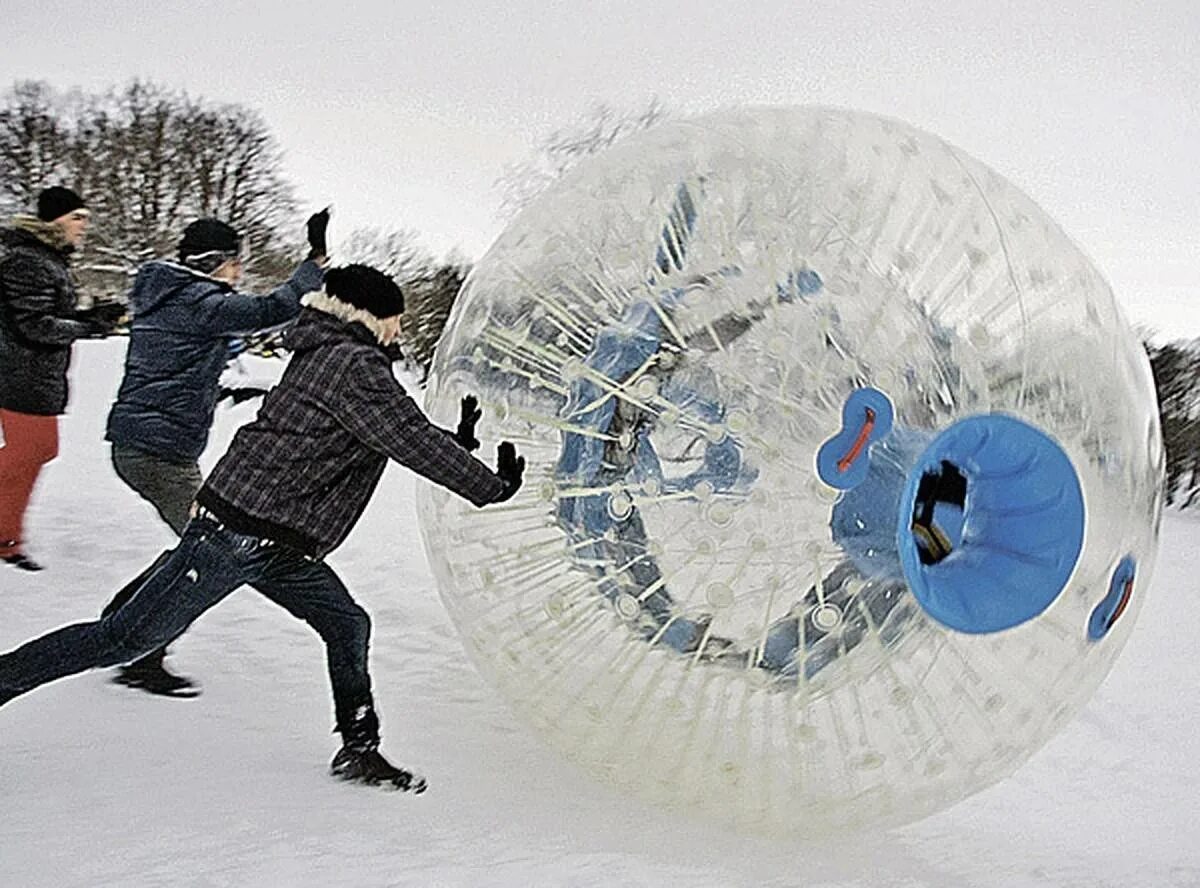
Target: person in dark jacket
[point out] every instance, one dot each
(39, 323)
(286, 493)
(184, 315)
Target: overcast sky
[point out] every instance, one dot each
(405, 114)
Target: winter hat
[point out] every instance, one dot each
(209, 243)
(367, 288)
(57, 201)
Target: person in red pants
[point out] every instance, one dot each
(38, 324)
(30, 442)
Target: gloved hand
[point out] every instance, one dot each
(510, 468)
(237, 395)
(470, 413)
(102, 318)
(316, 227)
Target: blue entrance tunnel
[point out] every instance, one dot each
(991, 524)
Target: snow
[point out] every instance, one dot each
(106, 787)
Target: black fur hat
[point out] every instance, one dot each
(57, 201)
(366, 288)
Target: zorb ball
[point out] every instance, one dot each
(843, 478)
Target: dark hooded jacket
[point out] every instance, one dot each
(178, 346)
(37, 302)
(303, 471)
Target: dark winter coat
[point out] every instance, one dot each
(178, 346)
(37, 301)
(303, 471)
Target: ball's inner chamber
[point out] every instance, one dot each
(687, 508)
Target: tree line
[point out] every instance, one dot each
(1176, 367)
(150, 159)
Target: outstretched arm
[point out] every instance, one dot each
(388, 421)
(235, 314)
(232, 314)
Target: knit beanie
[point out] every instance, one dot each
(57, 201)
(366, 288)
(209, 243)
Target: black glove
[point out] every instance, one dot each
(316, 226)
(465, 435)
(510, 468)
(102, 318)
(237, 395)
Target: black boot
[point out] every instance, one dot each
(360, 761)
(149, 674)
(23, 562)
(19, 560)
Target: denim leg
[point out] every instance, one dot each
(127, 591)
(311, 591)
(196, 575)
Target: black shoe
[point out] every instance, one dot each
(154, 678)
(366, 765)
(22, 562)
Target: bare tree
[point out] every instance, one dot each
(396, 253)
(35, 142)
(1176, 369)
(129, 158)
(556, 153)
(237, 175)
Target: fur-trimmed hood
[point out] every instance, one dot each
(321, 301)
(46, 233)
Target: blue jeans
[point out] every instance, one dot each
(209, 563)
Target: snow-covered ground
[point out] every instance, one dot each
(105, 787)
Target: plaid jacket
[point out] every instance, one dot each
(303, 471)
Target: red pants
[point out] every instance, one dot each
(29, 443)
